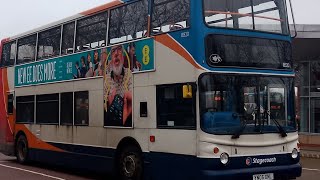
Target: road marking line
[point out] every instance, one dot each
(311, 169)
(33, 172)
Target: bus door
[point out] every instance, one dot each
(277, 104)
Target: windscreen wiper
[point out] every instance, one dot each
(281, 130)
(237, 134)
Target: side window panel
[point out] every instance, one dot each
(81, 108)
(25, 109)
(169, 15)
(174, 111)
(92, 32)
(8, 54)
(26, 49)
(129, 22)
(66, 112)
(67, 38)
(48, 109)
(49, 43)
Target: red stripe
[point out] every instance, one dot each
(3, 117)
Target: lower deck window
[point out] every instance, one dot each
(66, 112)
(81, 108)
(25, 109)
(48, 109)
(174, 111)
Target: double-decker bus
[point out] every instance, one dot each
(156, 89)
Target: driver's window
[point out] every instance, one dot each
(277, 104)
(170, 15)
(216, 100)
(250, 102)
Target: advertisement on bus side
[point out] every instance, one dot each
(138, 57)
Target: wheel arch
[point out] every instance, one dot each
(125, 142)
(19, 133)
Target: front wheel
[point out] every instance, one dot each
(22, 149)
(130, 164)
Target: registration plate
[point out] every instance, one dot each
(268, 176)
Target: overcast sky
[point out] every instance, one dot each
(17, 16)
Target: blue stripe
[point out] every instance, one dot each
(128, 1)
(85, 150)
(159, 166)
(72, 160)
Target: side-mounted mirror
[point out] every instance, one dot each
(293, 32)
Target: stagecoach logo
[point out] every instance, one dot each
(215, 58)
(250, 161)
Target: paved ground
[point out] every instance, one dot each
(10, 169)
(310, 169)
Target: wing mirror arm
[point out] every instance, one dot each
(294, 22)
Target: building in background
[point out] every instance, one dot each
(306, 54)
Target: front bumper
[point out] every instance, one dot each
(284, 171)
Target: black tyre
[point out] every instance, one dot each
(130, 164)
(22, 149)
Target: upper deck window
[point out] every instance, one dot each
(26, 49)
(68, 38)
(92, 32)
(169, 15)
(129, 22)
(8, 54)
(263, 15)
(49, 43)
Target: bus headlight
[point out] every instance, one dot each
(224, 158)
(294, 153)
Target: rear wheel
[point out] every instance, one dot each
(130, 164)
(22, 149)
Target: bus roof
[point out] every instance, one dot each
(79, 15)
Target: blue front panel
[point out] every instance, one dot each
(194, 43)
(168, 166)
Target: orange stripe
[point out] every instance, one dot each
(101, 8)
(3, 115)
(6, 90)
(173, 45)
(34, 142)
